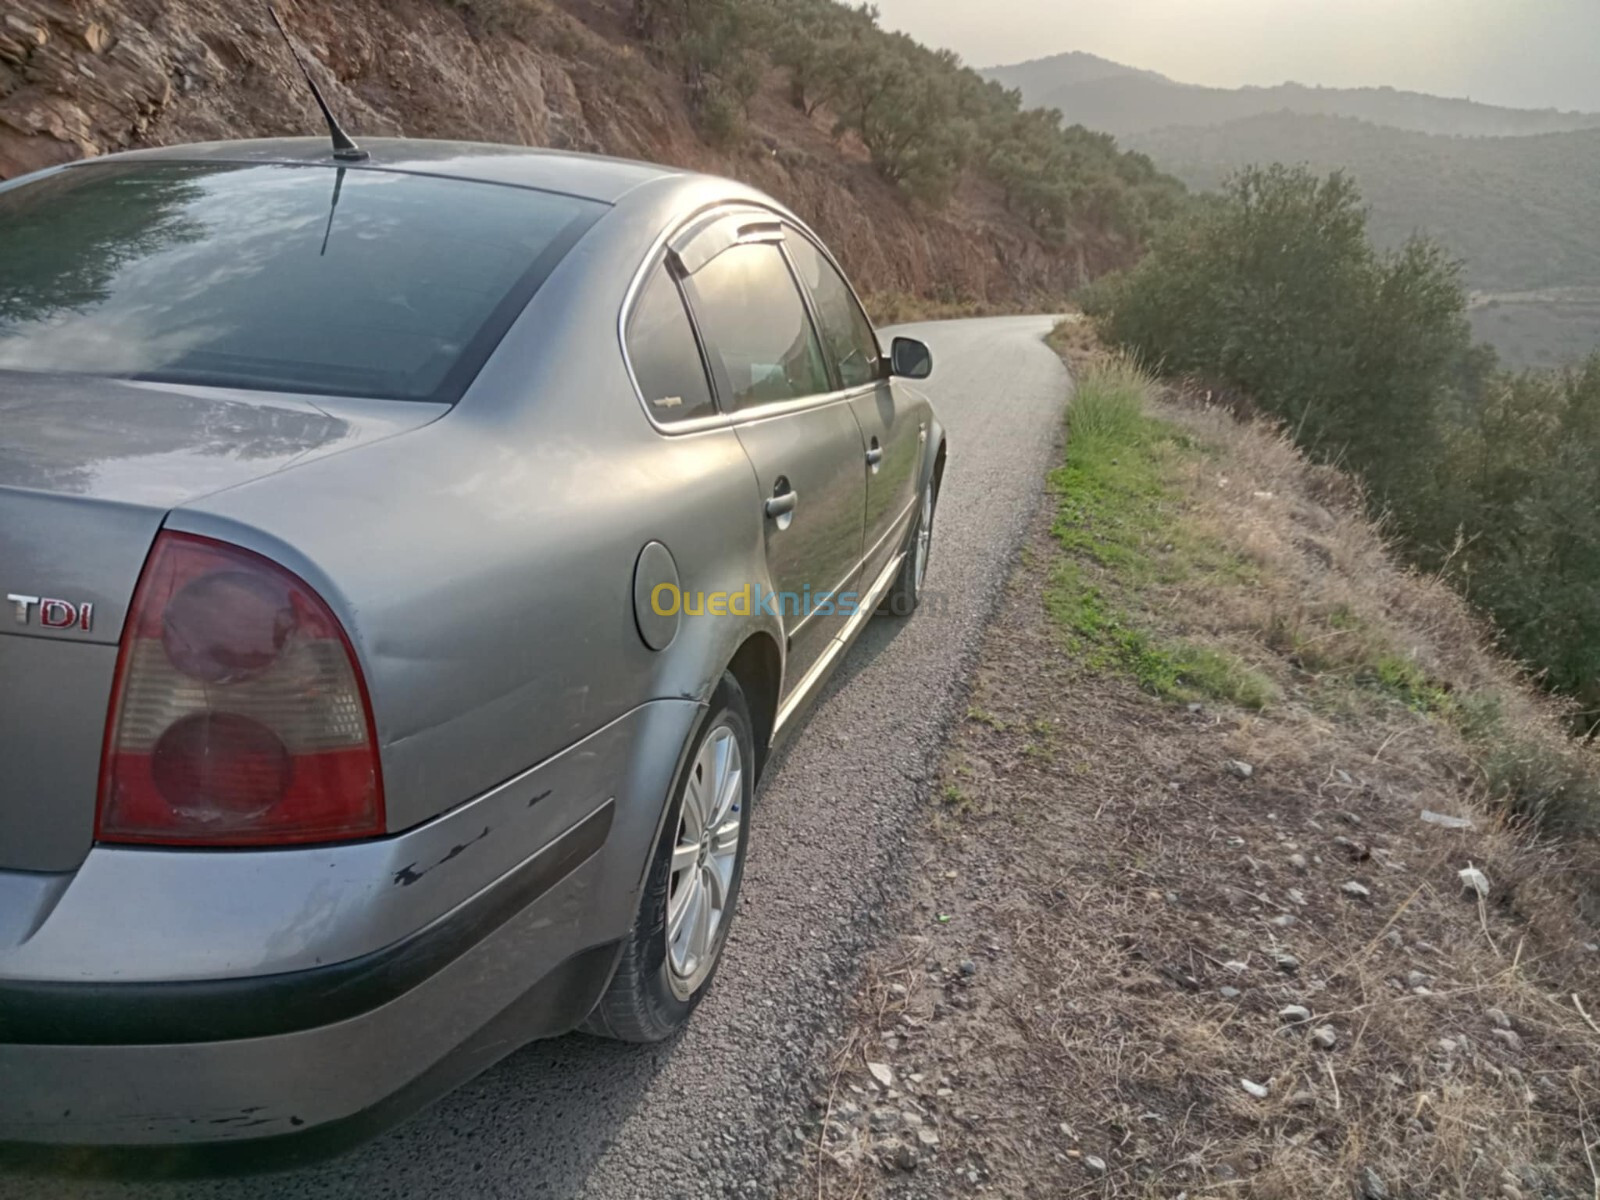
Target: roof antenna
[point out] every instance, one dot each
(343, 147)
(338, 186)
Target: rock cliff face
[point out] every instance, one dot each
(89, 77)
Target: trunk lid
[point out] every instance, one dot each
(89, 469)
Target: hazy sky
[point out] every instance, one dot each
(1526, 53)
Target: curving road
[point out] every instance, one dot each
(713, 1112)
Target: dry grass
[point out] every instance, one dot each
(1335, 607)
(1095, 875)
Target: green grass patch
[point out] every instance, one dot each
(1122, 529)
(984, 717)
(1116, 508)
(955, 798)
(1204, 671)
(1340, 648)
(1406, 682)
(1111, 489)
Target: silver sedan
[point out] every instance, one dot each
(408, 569)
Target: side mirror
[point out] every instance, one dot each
(910, 358)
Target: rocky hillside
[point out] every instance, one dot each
(88, 77)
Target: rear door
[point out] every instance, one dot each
(802, 439)
(894, 429)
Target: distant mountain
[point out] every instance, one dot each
(1043, 75)
(1123, 100)
(1519, 210)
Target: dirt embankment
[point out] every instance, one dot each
(87, 77)
(1212, 901)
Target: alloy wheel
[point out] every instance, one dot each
(704, 858)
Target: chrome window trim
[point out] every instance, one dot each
(701, 242)
(827, 257)
(773, 409)
(652, 259)
(769, 221)
(763, 233)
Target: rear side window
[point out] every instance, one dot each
(310, 279)
(756, 326)
(846, 331)
(665, 357)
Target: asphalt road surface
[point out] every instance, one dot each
(713, 1113)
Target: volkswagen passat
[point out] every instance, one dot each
(407, 569)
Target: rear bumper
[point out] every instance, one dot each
(49, 1013)
(184, 1072)
(271, 1103)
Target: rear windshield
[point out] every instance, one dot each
(308, 279)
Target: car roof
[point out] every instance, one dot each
(591, 176)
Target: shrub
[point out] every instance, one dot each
(816, 43)
(712, 43)
(720, 118)
(1275, 290)
(1512, 521)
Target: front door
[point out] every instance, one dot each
(803, 443)
(895, 441)
(893, 433)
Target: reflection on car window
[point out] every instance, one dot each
(349, 282)
(757, 328)
(666, 361)
(846, 331)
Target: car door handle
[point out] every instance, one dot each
(784, 504)
(874, 456)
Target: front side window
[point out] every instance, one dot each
(756, 327)
(846, 331)
(666, 360)
(341, 281)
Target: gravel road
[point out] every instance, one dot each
(712, 1113)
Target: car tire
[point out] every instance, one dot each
(694, 877)
(905, 593)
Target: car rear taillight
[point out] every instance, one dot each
(239, 715)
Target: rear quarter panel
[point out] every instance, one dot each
(483, 565)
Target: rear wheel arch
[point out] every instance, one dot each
(758, 666)
(650, 994)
